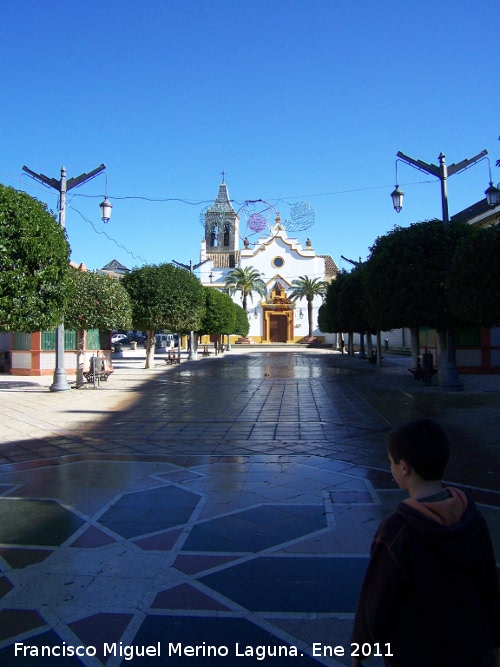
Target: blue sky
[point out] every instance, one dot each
(304, 100)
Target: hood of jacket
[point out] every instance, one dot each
(453, 526)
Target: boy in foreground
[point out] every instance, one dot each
(431, 589)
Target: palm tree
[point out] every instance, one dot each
(307, 288)
(246, 281)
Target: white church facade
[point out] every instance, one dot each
(278, 258)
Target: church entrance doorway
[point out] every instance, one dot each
(278, 328)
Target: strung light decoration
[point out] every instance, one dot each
(257, 222)
(212, 220)
(256, 214)
(302, 217)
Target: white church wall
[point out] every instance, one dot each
(297, 261)
(281, 259)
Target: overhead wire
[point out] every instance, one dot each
(246, 201)
(69, 205)
(197, 202)
(110, 238)
(151, 199)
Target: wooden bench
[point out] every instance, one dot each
(172, 358)
(97, 371)
(425, 369)
(103, 375)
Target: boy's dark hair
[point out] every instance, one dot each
(423, 444)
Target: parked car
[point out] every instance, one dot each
(119, 338)
(164, 340)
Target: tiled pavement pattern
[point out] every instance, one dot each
(229, 501)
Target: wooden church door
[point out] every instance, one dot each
(277, 329)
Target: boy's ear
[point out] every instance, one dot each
(405, 468)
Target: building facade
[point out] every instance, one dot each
(35, 353)
(478, 348)
(278, 258)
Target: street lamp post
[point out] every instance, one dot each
(449, 377)
(60, 382)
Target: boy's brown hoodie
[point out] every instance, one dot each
(431, 588)
(445, 512)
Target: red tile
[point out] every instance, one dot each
(163, 542)
(19, 558)
(14, 622)
(99, 629)
(5, 586)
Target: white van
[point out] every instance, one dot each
(164, 340)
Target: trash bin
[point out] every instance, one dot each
(118, 347)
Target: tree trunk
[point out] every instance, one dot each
(150, 349)
(350, 343)
(369, 344)
(310, 317)
(442, 354)
(415, 346)
(362, 353)
(379, 349)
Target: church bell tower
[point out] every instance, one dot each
(221, 231)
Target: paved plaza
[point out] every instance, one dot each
(216, 512)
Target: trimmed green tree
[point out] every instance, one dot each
(352, 305)
(406, 277)
(241, 323)
(474, 278)
(34, 264)
(344, 308)
(326, 321)
(330, 316)
(98, 302)
(164, 297)
(219, 315)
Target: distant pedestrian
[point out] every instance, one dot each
(341, 344)
(430, 597)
